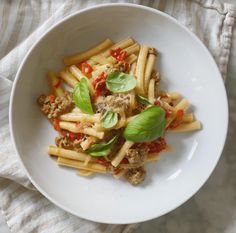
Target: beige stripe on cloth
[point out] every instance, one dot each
(22, 22)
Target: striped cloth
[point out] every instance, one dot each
(22, 22)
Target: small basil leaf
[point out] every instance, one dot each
(147, 126)
(82, 98)
(142, 100)
(120, 82)
(100, 153)
(102, 149)
(109, 119)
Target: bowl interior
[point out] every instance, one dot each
(185, 66)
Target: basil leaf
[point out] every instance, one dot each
(82, 98)
(142, 100)
(120, 82)
(100, 153)
(147, 126)
(109, 119)
(102, 149)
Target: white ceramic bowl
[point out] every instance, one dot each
(185, 66)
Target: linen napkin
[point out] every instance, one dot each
(24, 208)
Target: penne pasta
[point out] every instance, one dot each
(101, 60)
(188, 117)
(153, 157)
(82, 172)
(149, 67)
(121, 44)
(98, 127)
(75, 117)
(94, 167)
(87, 160)
(182, 105)
(65, 153)
(165, 105)
(132, 104)
(111, 60)
(132, 49)
(75, 59)
(122, 121)
(132, 68)
(85, 144)
(79, 75)
(55, 84)
(68, 78)
(121, 154)
(151, 91)
(99, 69)
(72, 127)
(140, 68)
(105, 58)
(174, 95)
(120, 174)
(131, 59)
(195, 125)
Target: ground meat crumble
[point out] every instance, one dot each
(54, 107)
(116, 102)
(65, 142)
(137, 156)
(135, 175)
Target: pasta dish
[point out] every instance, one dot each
(109, 111)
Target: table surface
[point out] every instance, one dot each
(192, 217)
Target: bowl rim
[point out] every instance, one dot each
(107, 5)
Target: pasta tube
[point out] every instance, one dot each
(55, 84)
(82, 172)
(153, 157)
(72, 127)
(121, 154)
(122, 121)
(75, 59)
(151, 91)
(94, 167)
(132, 68)
(120, 174)
(100, 59)
(79, 75)
(131, 59)
(149, 67)
(80, 117)
(85, 144)
(182, 105)
(69, 154)
(121, 44)
(195, 125)
(141, 68)
(132, 49)
(174, 95)
(87, 160)
(188, 117)
(68, 78)
(132, 103)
